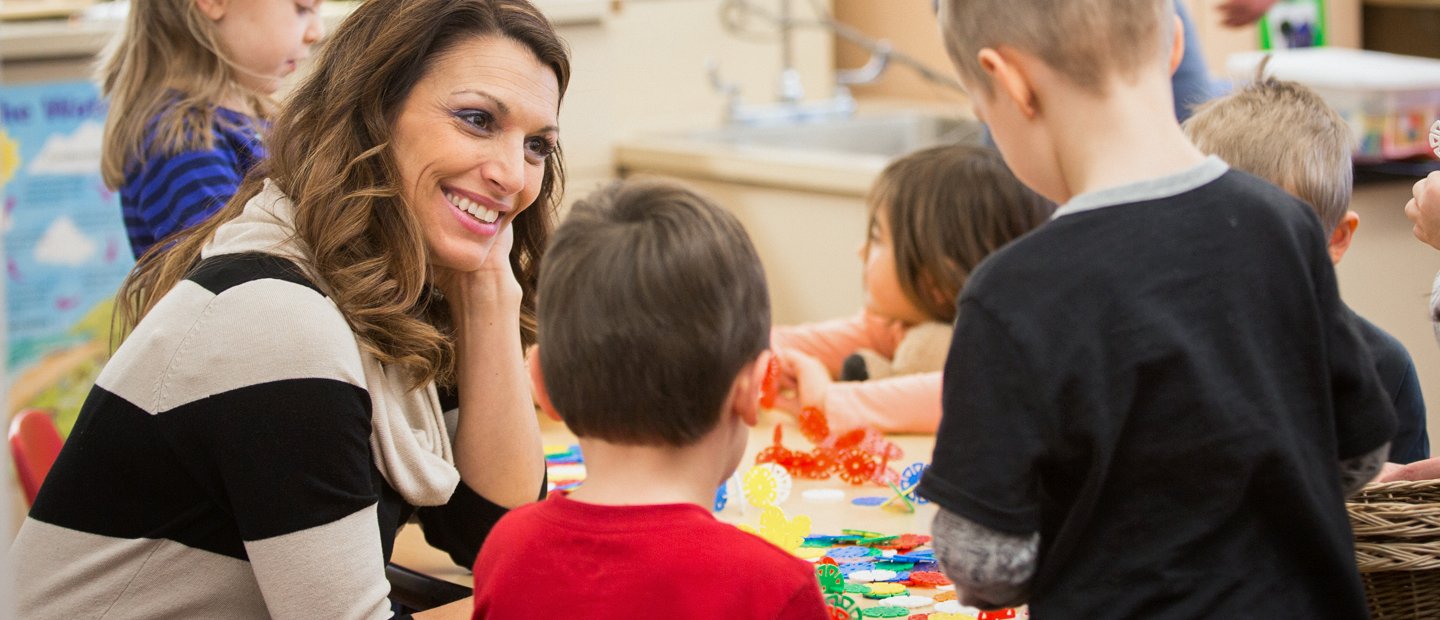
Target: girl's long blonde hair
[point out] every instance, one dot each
(166, 67)
(331, 154)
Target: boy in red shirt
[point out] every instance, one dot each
(654, 315)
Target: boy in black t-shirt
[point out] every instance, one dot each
(1284, 133)
(1155, 404)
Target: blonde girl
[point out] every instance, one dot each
(934, 215)
(189, 84)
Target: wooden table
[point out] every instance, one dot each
(827, 517)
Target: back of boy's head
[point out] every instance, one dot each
(1086, 41)
(1284, 133)
(652, 299)
(949, 207)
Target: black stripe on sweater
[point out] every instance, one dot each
(247, 464)
(220, 273)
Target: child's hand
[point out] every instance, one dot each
(811, 379)
(1424, 210)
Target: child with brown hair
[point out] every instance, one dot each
(1283, 132)
(654, 317)
(934, 216)
(1155, 404)
(189, 84)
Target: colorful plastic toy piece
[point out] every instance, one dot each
(830, 578)
(928, 579)
(886, 612)
(842, 607)
(885, 590)
(856, 467)
(767, 484)
(1435, 138)
(910, 479)
(770, 385)
(782, 531)
(999, 614)
(814, 425)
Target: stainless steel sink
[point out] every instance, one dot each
(889, 135)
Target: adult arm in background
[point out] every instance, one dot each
(1237, 13)
(497, 443)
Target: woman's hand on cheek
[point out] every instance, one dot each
(493, 285)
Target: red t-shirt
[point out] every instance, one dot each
(560, 558)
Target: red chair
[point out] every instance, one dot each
(34, 444)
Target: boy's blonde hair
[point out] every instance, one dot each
(1083, 40)
(167, 59)
(1284, 133)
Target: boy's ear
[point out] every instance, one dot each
(1343, 236)
(745, 392)
(213, 9)
(1177, 46)
(537, 385)
(1009, 79)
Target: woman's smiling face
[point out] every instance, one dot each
(470, 141)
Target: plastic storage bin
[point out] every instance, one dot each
(1388, 100)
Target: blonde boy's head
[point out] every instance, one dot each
(1284, 133)
(1087, 41)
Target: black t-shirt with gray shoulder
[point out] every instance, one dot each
(1162, 388)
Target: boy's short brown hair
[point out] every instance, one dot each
(1083, 40)
(1284, 133)
(652, 299)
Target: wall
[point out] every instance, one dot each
(643, 71)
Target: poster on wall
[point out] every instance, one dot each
(65, 248)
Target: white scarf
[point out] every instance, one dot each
(409, 439)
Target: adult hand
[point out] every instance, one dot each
(1237, 13)
(497, 442)
(1424, 210)
(1428, 469)
(493, 286)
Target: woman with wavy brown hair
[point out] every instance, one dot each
(337, 349)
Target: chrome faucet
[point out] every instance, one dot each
(790, 104)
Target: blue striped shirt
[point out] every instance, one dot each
(171, 192)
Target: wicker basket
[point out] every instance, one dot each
(1397, 547)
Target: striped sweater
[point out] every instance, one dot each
(226, 463)
(169, 192)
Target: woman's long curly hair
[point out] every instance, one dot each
(331, 154)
